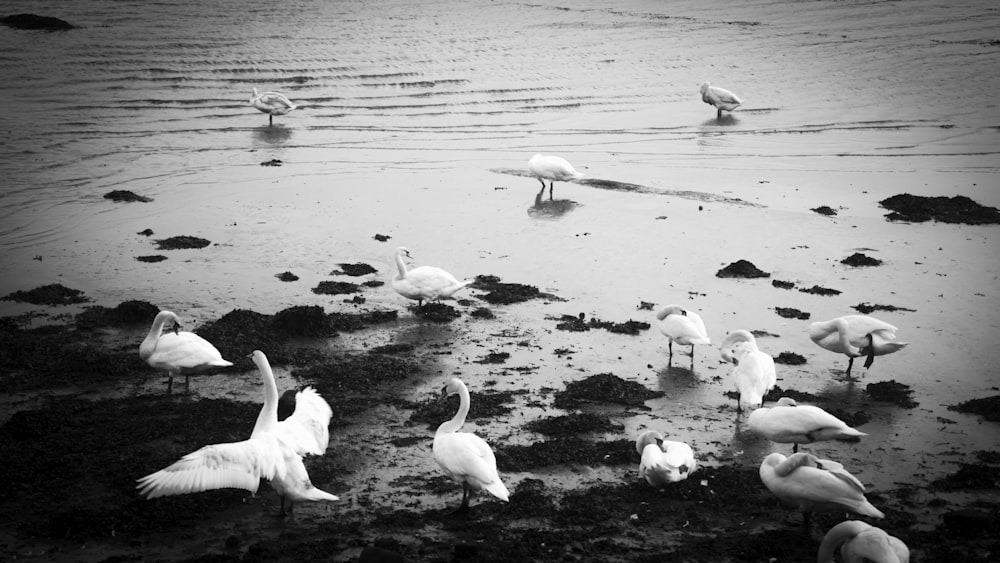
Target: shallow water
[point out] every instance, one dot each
(413, 121)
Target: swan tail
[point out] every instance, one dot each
(499, 490)
(866, 508)
(315, 494)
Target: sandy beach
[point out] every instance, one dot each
(407, 138)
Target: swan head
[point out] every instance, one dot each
(670, 310)
(454, 386)
(703, 87)
(259, 359)
(403, 251)
(646, 438)
(254, 95)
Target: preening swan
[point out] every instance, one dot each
(814, 485)
(663, 461)
(425, 283)
(860, 542)
(178, 352)
(274, 451)
(271, 103)
(721, 98)
(856, 335)
(788, 422)
(552, 168)
(463, 456)
(682, 326)
(754, 374)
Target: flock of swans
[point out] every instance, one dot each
(274, 450)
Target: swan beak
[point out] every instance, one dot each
(683, 469)
(177, 327)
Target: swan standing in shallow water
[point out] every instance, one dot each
(754, 374)
(663, 461)
(178, 352)
(856, 335)
(271, 103)
(789, 422)
(721, 98)
(552, 168)
(860, 542)
(814, 485)
(463, 456)
(425, 283)
(274, 451)
(682, 326)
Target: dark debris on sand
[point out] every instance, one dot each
(791, 313)
(957, 209)
(437, 312)
(52, 294)
(127, 313)
(799, 396)
(577, 324)
(817, 290)
(483, 405)
(781, 284)
(181, 242)
(891, 392)
(287, 277)
(126, 196)
(562, 451)
(336, 288)
(500, 293)
(573, 424)
(824, 210)
(604, 388)
(354, 270)
(858, 260)
(742, 269)
(789, 359)
(151, 259)
(986, 407)
(866, 308)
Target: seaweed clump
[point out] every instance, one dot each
(791, 313)
(957, 209)
(183, 241)
(892, 392)
(817, 290)
(52, 294)
(335, 288)
(151, 259)
(125, 314)
(742, 269)
(858, 260)
(604, 388)
(987, 407)
(573, 424)
(287, 277)
(790, 359)
(824, 210)
(354, 270)
(506, 293)
(564, 451)
(577, 324)
(438, 312)
(865, 308)
(126, 196)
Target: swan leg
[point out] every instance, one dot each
(551, 186)
(850, 364)
(795, 448)
(170, 383)
(270, 120)
(719, 114)
(670, 347)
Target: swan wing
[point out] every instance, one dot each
(432, 282)
(185, 350)
(466, 458)
(238, 465)
(307, 430)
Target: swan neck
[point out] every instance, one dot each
(268, 417)
(148, 345)
(400, 264)
(463, 410)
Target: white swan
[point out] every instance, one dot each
(859, 542)
(271, 103)
(274, 451)
(856, 335)
(814, 485)
(425, 283)
(754, 374)
(663, 461)
(683, 326)
(463, 456)
(178, 352)
(552, 168)
(788, 422)
(721, 98)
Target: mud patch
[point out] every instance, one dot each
(742, 269)
(957, 209)
(891, 392)
(604, 388)
(126, 196)
(987, 407)
(859, 260)
(181, 242)
(52, 294)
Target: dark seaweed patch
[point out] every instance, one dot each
(500, 293)
(577, 324)
(354, 270)
(824, 210)
(152, 258)
(287, 277)
(52, 294)
(957, 209)
(302, 320)
(777, 392)
(494, 358)
(573, 424)
(891, 392)
(336, 288)
(562, 451)
(126, 196)
(180, 242)
(437, 312)
(482, 405)
(125, 314)
(791, 313)
(858, 260)
(146, 232)
(482, 313)
(866, 308)
(33, 21)
(789, 359)
(782, 284)
(604, 388)
(817, 290)
(969, 476)
(741, 269)
(986, 407)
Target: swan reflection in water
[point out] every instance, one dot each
(727, 120)
(550, 208)
(272, 135)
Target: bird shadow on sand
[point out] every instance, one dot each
(550, 208)
(272, 135)
(727, 120)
